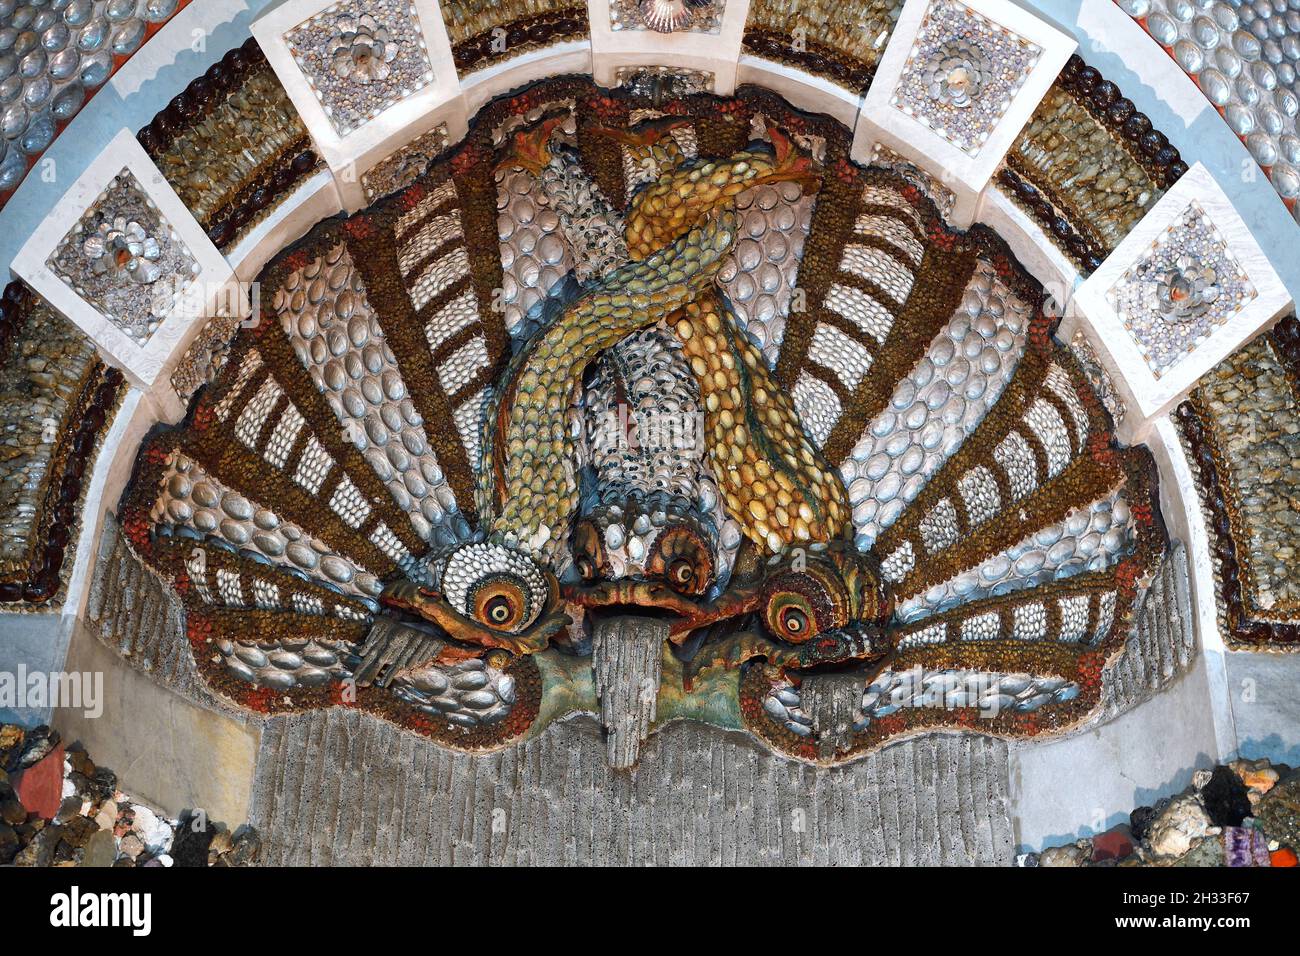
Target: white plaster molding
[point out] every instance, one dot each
(482, 86)
(1112, 30)
(1146, 393)
(803, 90)
(965, 171)
(349, 154)
(714, 53)
(1035, 250)
(1181, 508)
(314, 199)
(148, 364)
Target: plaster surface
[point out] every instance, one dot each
(1083, 784)
(164, 749)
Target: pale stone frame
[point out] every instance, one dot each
(716, 53)
(148, 365)
(348, 177)
(348, 156)
(879, 122)
(482, 85)
(1146, 395)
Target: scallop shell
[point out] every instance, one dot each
(665, 16)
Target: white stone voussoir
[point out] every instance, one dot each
(960, 126)
(142, 327)
(715, 53)
(1156, 355)
(356, 124)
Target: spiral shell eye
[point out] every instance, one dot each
(682, 559)
(494, 586)
(681, 573)
(790, 616)
(802, 605)
(794, 621)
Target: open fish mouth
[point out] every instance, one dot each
(684, 613)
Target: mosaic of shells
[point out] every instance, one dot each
(1245, 57)
(54, 57)
(962, 73)
(360, 59)
(665, 406)
(125, 260)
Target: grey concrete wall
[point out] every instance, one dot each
(1085, 783)
(30, 643)
(341, 787)
(164, 749)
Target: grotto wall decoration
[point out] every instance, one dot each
(655, 410)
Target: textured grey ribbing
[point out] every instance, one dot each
(342, 787)
(1162, 644)
(627, 658)
(834, 702)
(136, 614)
(391, 646)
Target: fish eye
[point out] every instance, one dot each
(682, 559)
(681, 572)
(803, 604)
(495, 586)
(501, 601)
(790, 616)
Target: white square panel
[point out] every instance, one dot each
(122, 257)
(962, 73)
(1187, 287)
(956, 84)
(364, 75)
(709, 44)
(360, 59)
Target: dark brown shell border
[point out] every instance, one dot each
(261, 191)
(62, 498)
(1242, 627)
(1131, 129)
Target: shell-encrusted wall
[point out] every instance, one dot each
(1244, 55)
(1242, 429)
(1089, 165)
(56, 397)
(484, 32)
(840, 41)
(231, 144)
(55, 56)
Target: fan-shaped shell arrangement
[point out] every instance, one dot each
(654, 412)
